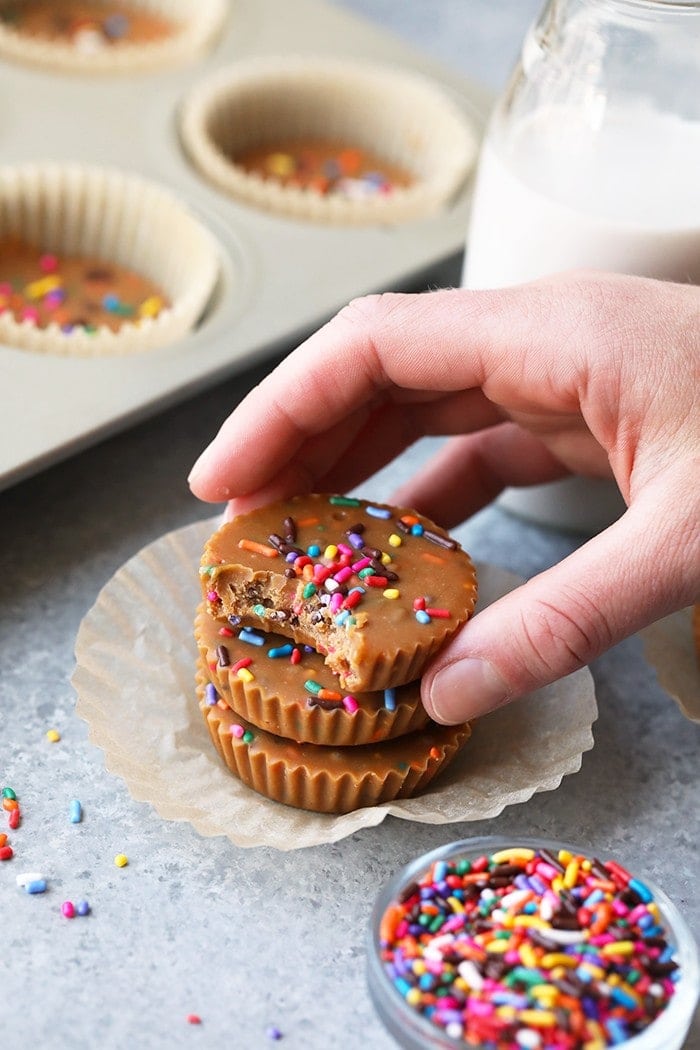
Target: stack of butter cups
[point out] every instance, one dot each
(318, 615)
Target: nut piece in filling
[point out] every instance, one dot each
(375, 589)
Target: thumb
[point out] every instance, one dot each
(618, 582)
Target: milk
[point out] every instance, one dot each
(560, 196)
(625, 199)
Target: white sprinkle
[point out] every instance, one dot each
(468, 972)
(28, 876)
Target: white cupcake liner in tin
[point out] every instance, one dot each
(403, 117)
(117, 218)
(195, 23)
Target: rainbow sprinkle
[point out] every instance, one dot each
(527, 948)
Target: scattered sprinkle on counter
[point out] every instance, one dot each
(75, 812)
(530, 948)
(121, 860)
(273, 1032)
(53, 736)
(194, 1019)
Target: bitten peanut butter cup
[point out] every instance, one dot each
(375, 589)
(328, 779)
(287, 689)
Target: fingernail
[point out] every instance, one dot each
(466, 689)
(196, 469)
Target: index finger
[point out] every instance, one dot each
(304, 416)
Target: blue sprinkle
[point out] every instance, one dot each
(280, 650)
(594, 898)
(110, 301)
(356, 540)
(234, 620)
(273, 1032)
(641, 890)
(378, 512)
(313, 551)
(36, 886)
(212, 697)
(82, 908)
(417, 530)
(667, 954)
(76, 812)
(616, 1030)
(115, 26)
(361, 590)
(342, 617)
(619, 995)
(246, 635)
(390, 699)
(422, 616)
(439, 871)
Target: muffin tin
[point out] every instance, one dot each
(277, 278)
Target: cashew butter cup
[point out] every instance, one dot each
(150, 34)
(329, 779)
(401, 117)
(299, 700)
(111, 217)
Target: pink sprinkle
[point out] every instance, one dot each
(68, 910)
(619, 907)
(512, 958)
(350, 704)
(636, 914)
(343, 574)
(344, 549)
(48, 263)
(358, 566)
(5, 288)
(237, 730)
(212, 596)
(546, 871)
(336, 602)
(30, 313)
(321, 573)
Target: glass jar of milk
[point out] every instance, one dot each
(592, 161)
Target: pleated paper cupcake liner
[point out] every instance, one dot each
(402, 117)
(117, 218)
(194, 23)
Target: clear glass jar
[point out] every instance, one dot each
(591, 161)
(413, 1031)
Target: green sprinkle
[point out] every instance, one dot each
(248, 737)
(369, 571)
(464, 867)
(259, 610)
(343, 501)
(309, 590)
(8, 793)
(436, 923)
(206, 570)
(312, 687)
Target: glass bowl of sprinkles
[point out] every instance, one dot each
(523, 944)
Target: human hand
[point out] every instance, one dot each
(581, 373)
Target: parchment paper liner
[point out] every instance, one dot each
(289, 716)
(327, 779)
(196, 22)
(120, 218)
(135, 660)
(402, 117)
(670, 648)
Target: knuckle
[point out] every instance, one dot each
(564, 636)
